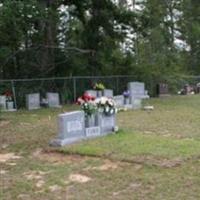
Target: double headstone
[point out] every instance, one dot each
(53, 100)
(33, 101)
(72, 127)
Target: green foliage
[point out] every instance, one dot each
(90, 38)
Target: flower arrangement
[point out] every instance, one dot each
(126, 94)
(106, 105)
(98, 86)
(88, 105)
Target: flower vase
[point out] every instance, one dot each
(126, 101)
(99, 93)
(98, 118)
(89, 121)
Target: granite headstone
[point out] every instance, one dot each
(108, 93)
(33, 101)
(53, 100)
(119, 100)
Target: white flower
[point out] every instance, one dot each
(103, 100)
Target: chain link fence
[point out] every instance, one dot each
(69, 88)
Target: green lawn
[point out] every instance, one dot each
(154, 156)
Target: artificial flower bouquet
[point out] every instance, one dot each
(126, 94)
(98, 86)
(88, 105)
(106, 105)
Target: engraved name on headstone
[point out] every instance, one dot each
(93, 131)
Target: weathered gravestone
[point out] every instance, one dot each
(162, 90)
(33, 101)
(108, 93)
(71, 128)
(53, 100)
(3, 102)
(119, 100)
(92, 93)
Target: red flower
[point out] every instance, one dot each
(8, 93)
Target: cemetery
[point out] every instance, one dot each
(39, 145)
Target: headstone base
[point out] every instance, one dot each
(128, 106)
(63, 142)
(137, 104)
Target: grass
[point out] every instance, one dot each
(154, 156)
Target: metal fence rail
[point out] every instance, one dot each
(70, 88)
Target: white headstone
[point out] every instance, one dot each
(119, 100)
(53, 100)
(33, 101)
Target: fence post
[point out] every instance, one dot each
(14, 93)
(74, 88)
(117, 89)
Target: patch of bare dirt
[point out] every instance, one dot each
(108, 165)
(79, 178)
(4, 123)
(57, 158)
(7, 157)
(138, 161)
(133, 186)
(35, 175)
(23, 196)
(160, 162)
(55, 188)
(2, 172)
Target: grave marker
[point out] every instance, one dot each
(108, 93)
(33, 101)
(53, 100)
